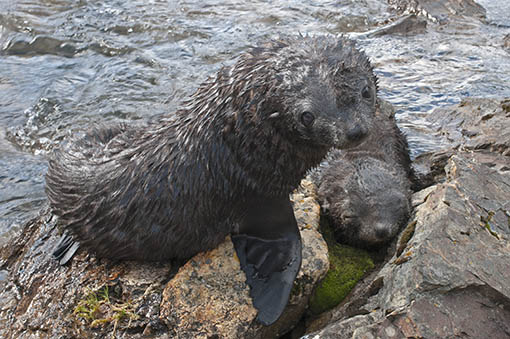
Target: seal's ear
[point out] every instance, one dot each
(269, 250)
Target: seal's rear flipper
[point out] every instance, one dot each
(269, 249)
(65, 249)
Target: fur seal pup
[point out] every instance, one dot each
(223, 163)
(366, 190)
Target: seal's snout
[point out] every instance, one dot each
(356, 133)
(382, 231)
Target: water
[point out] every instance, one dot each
(67, 64)
(21, 187)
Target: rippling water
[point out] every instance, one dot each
(66, 64)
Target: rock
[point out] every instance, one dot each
(429, 167)
(40, 299)
(440, 10)
(475, 124)
(207, 297)
(454, 255)
(407, 25)
(40, 45)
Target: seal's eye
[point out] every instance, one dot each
(307, 118)
(349, 220)
(366, 93)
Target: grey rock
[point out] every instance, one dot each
(406, 25)
(41, 45)
(475, 124)
(440, 11)
(429, 167)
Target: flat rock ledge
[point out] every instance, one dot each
(449, 277)
(207, 297)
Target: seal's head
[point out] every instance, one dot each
(370, 206)
(329, 89)
(315, 92)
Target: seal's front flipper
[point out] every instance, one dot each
(269, 248)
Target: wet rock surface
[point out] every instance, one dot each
(456, 252)
(41, 299)
(475, 124)
(406, 25)
(440, 10)
(207, 297)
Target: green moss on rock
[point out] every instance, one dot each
(347, 266)
(98, 309)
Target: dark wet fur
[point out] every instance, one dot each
(179, 185)
(366, 190)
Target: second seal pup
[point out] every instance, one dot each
(223, 163)
(365, 190)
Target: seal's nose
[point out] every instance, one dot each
(381, 231)
(356, 133)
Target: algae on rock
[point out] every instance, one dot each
(347, 266)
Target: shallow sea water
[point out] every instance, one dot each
(67, 64)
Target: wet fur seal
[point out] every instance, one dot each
(366, 190)
(224, 163)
